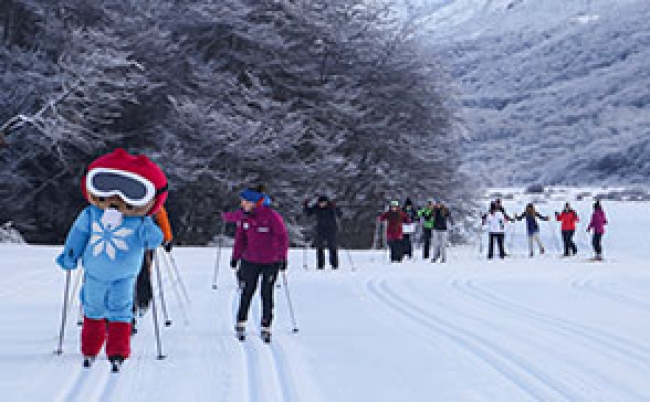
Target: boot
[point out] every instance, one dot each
(93, 335)
(118, 344)
(266, 334)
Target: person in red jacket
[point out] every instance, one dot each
(395, 218)
(569, 218)
(260, 250)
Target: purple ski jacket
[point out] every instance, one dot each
(261, 237)
(598, 222)
(233, 217)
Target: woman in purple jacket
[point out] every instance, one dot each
(260, 250)
(597, 223)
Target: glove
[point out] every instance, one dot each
(66, 262)
(282, 265)
(234, 263)
(167, 246)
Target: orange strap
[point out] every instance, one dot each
(163, 222)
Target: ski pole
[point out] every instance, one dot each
(171, 261)
(75, 288)
(554, 234)
(286, 292)
(511, 243)
(59, 349)
(161, 291)
(80, 315)
(72, 297)
(154, 314)
(175, 288)
(347, 251)
(218, 259)
(304, 255)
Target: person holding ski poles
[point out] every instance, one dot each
(409, 230)
(441, 219)
(597, 223)
(569, 218)
(426, 214)
(110, 237)
(395, 218)
(143, 288)
(496, 225)
(532, 227)
(260, 251)
(327, 226)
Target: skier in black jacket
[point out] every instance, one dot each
(327, 214)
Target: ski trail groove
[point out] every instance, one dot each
(276, 360)
(251, 373)
(626, 348)
(72, 386)
(591, 287)
(532, 381)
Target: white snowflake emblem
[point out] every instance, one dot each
(108, 240)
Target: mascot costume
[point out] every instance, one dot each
(110, 236)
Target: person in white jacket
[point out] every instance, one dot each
(496, 226)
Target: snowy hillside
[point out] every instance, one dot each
(553, 91)
(522, 329)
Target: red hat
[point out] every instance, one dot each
(140, 165)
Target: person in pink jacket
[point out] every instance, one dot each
(597, 223)
(260, 250)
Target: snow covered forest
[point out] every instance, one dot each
(552, 91)
(337, 97)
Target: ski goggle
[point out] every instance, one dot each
(133, 189)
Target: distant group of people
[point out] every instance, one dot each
(401, 226)
(496, 218)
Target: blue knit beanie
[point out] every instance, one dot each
(251, 195)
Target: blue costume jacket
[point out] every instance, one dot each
(111, 257)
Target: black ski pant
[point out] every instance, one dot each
(396, 250)
(426, 238)
(407, 246)
(249, 275)
(498, 237)
(596, 241)
(326, 239)
(143, 290)
(569, 245)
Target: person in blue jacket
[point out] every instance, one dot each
(532, 227)
(110, 237)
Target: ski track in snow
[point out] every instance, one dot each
(537, 384)
(598, 290)
(624, 348)
(616, 348)
(267, 367)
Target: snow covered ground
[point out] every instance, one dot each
(522, 329)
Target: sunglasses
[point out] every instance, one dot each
(133, 189)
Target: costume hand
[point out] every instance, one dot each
(66, 262)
